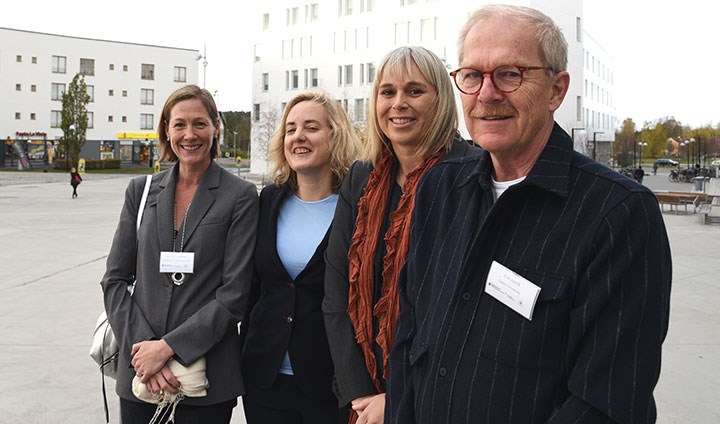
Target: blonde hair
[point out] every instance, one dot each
(344, 141)
(186, 93)
(443, 126)
(549, 37)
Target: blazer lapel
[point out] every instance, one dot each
(164, 203)
(203, 199)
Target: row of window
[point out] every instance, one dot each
(597, 93)
(57, 89)
(358, 112)
(87, 67)
(598, 68)
(346, 76)
(147, 120)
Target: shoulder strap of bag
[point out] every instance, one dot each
(146, 190)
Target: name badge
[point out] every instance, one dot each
(177, 262)
(512, 289)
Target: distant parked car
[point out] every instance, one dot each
(716, 162)
(666, 162)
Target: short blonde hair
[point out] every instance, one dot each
(344, 141)
(443, 127)
(186, 93)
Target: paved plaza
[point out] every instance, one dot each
(53, 251)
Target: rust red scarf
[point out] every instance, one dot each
(371, 211)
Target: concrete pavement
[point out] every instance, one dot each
(53, 251)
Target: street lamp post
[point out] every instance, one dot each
(235, 147)
(595, 133)
(71, 129)
(641, 144)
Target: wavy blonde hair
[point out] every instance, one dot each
(443, 127)
(344, 141)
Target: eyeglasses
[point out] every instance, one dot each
(505, 78)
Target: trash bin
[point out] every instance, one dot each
(699, 182)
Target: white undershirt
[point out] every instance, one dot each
(499, 187)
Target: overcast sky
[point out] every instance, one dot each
(666, 61)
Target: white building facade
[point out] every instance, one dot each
(335, 45)
(127, 84)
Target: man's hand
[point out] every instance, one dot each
(370, 409)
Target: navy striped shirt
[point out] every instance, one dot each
(593, 241)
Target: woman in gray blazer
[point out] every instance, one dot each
(191, 261)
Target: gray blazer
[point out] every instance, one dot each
(200, 317)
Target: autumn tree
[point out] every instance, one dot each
(74, 119)
(625, 140)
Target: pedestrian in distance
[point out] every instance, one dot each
(286, 359)
(176, 289)
(412, 127)
(639, 174)
(75, 180)
(537, 284)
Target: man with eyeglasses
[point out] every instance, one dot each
(537, 284)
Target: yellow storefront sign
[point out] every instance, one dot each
(126, 135)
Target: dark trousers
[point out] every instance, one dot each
(285, 403)
(141, 413)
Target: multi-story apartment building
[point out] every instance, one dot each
(127, 84)
(334, 45)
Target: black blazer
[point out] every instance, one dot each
(287, 315)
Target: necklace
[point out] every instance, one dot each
(178, 278)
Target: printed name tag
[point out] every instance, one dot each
(510, 288)
(177, 262)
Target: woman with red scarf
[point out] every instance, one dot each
(412, 125)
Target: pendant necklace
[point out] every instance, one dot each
(178, 278)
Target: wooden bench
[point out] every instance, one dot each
(676, 200)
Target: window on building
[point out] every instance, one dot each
(359, 110)
(91, 119)
(111, 93)
(371, 73)
(146, 121)
(294, 79)
(314, 77)
(124, 119)
(124, 93)
(34, 60)
(17, 115)
(59, 64)
(55, 118)
(428, 29)
(340, 75)
(112, 67)
(18, 87)
(578, 28)
(90, 90)
(180, 74)
(266, 21)
(32, 116)
(147, 96)
(578, 106)
(313, 12)
(292, 16)
(147, 72)
(265, 81)
(33, 88)
(256, 112)
(18, 59)
(87, 66)
(56, 91)
(110, 118)
(348, 74)
(402, 33)
(124, 68)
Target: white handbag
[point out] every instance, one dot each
(104, 348)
